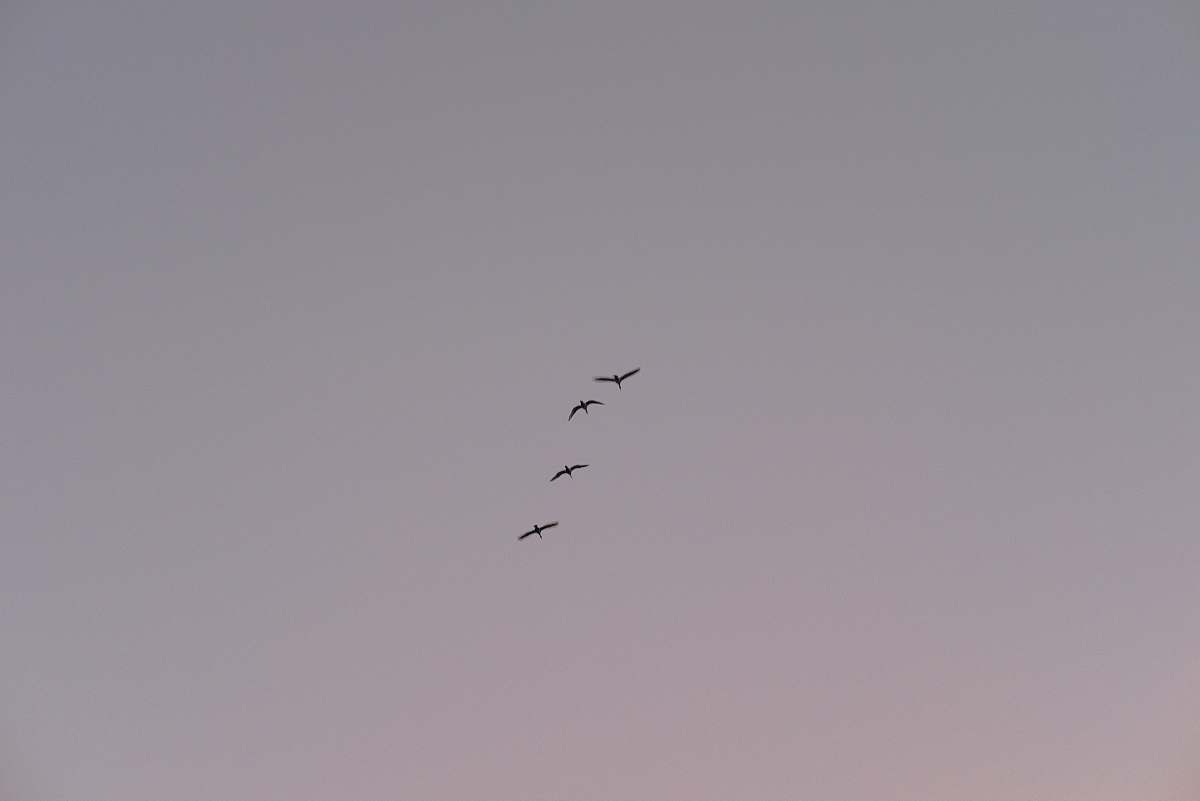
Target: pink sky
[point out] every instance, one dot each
(295, 298)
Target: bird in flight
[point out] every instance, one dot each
(537, 529)
(567, 470)
(584, 404)
(617, 379)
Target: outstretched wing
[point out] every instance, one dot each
(549, 525)
(526, 534)
(594, 403)
(572, 414)
(609, 379)
(634, 371)
(560, 473)
(575, 467)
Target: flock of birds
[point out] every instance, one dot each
(568, 470)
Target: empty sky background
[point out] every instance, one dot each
(295, 298)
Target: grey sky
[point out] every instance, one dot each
(295, 298)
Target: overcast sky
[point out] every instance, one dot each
(295, 298)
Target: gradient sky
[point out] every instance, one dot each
(295, 298)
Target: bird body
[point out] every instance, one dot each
(584, 404)
(568, 470)
(537, 529)
(617, 379)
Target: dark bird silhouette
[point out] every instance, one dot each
(617, 379)
(568, 470)
(584, 404)
(537, 529)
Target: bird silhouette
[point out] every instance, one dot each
(584, 404)
(537, 529)
(568, 470)
(617, 379)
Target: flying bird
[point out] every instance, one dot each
(537, 529)
(568, 470)
(617, 379)
(584, 404)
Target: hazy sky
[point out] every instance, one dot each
(295, 298)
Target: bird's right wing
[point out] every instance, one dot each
(526, 534)
(572, 414)
(550, 525)
(559, 473)
(634, 371)
(605, 378)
